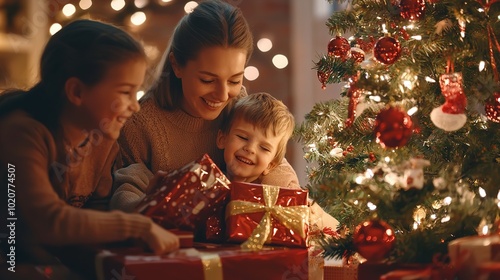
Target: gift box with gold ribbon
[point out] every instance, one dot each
(190, 198)
(199, 264)
(261, 214)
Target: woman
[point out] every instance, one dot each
(200, 76)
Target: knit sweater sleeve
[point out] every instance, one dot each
(131, 183)
(29, 147)
(282, 175)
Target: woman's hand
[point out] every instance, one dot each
(161, 241)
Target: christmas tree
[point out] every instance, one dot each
(410, 152)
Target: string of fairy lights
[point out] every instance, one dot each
(140, 16)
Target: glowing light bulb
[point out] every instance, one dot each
(251, 73)
(85, 4)
(69, 10)
(138, 18)
(264, 44)
(280, 61)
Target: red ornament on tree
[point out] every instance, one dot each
(412, 9)
(387, 50)
(339, 47)
(492, 108)
(357, 54)
(393, 127)
(323, 78)
(450, 116)
(374, 239)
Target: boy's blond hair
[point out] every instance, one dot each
(266, 113)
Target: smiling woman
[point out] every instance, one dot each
(60, 139)
(199, 78)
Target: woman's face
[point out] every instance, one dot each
(211, 80)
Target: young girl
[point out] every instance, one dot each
(201, 74)
(58, 145)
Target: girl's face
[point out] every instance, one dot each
(110, 103)
(248, 152)
(211, 80)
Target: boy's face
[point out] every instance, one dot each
(248, 153)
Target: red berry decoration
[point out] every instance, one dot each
(339, 47)
(374, 239)
(387, 50)
(393, 127)
(412, 9)
(492, 108)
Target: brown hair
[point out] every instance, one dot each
(266, 113)
(84, 49)
(211, 23)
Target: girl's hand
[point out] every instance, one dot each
(161, 241)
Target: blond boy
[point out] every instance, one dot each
(254, 137)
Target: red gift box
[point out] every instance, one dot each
(262, 214)
(190, 198)
(192, 264)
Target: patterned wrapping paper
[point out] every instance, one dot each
(340, 273)
(262, 214)
(198, 264)
(190, 198)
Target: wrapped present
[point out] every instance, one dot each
(340, 272)
(214, 264)
(262, 214)
(190, 198)
(476, 257)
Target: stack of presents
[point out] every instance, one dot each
(228, 230)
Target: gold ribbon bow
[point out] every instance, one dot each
(293, 217)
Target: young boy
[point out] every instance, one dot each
(254, 138)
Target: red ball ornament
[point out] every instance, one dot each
(393, 127)
(412, 9)
(492, 108)
(374, 239)
(387, 50)
(339, 47)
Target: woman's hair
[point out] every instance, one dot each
(213, 23)
(84, 49)
(266, 113)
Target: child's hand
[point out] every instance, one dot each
(155, 180)
(161, 241)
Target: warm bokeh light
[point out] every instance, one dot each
(164, 2)
(69, 10)
(140, 94)
(85, 4)
(264, 44)
(140, 3)
(117, 4)
(138, 18)
(54, 28)
(188, 8)
(280, 61)
(251, 73)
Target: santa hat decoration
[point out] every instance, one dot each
(450, 116)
